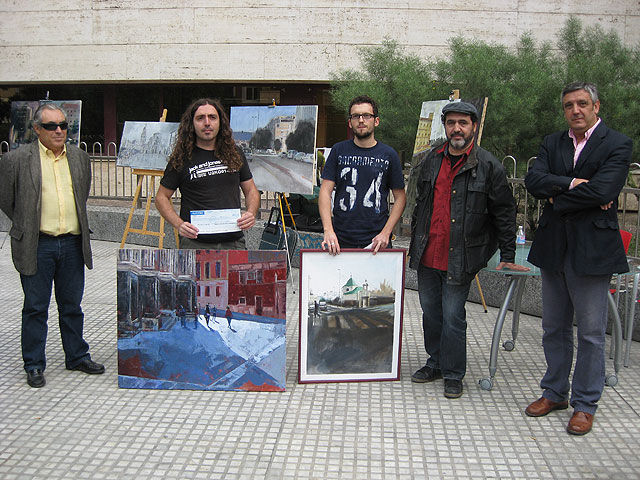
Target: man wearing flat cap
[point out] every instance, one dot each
(464, 211)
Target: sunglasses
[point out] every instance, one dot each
(52, 127)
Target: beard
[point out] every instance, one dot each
(362, 135)
(461, 143)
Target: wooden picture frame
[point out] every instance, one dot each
(351, 308)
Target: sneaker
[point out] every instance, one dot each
(426, 374)
(452, 388)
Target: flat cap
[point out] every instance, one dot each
(460, 107)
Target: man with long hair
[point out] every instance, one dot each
(209, 170)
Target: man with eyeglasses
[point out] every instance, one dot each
(44, 188)
(362, 171)
(464, 211)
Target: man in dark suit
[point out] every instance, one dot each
(44, 188)
(577, 246)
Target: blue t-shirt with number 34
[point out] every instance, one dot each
(363, 178)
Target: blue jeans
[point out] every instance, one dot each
(563, 294)
(60, 262)
(444, 321)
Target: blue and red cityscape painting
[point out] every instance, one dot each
(202, 319)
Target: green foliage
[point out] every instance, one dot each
(302, 139)
(523, 85)
(521, 108)
(398, 82)
(262, 138)
(593, 55)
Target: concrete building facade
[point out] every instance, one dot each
(260, 40)
(244, 51)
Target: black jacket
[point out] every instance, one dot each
(482, 206)
(575, 225)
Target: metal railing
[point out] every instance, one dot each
(628, 204)
(112, 181)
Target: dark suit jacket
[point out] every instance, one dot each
(20, 197)
(575, 225)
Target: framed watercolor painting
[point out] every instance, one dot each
(350, 315)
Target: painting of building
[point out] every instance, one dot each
(279, 144)
(152, 284)
(350, 315)
(212, 275)
(430, 127)
(257, 283)
(169, 339)
(147, 145)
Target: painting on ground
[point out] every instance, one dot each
(147, 145)
(201, 319)
(21, 131)
(279, 144)
(350, 315)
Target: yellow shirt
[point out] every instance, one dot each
(58, 206)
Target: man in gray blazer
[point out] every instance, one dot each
(44, 188)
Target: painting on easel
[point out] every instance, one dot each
(147, 145)
(22, 112)
(279, 143)
(202, 319)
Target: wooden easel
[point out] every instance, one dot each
(281, 197)
(455, 94)
(141, 174)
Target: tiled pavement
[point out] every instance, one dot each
(85, 427)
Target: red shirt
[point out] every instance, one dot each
(436, 254)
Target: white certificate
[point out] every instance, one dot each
(216, 221)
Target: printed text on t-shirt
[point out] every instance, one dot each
(211, 167)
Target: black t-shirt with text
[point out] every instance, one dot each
(206, 183)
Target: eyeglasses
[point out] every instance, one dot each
(52, 127)
(365, 116)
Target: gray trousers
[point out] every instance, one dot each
(563, 294)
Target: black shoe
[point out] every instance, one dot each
(426, 374)
(89, 366)
(452, 388)
(35, 378)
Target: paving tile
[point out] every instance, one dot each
(84, 426)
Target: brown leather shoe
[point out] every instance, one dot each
(543, 405)
(580, 423)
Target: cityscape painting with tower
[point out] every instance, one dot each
(350, 315)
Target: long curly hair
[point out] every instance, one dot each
(225, 146)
